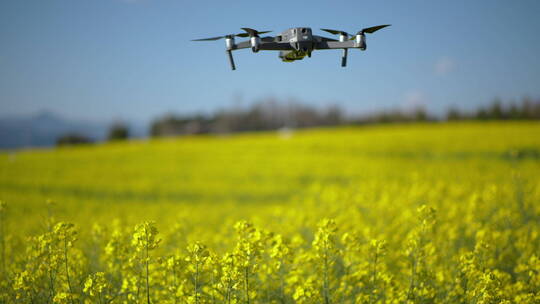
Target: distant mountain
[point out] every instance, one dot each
(43, 129)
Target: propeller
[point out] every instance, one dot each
(249, 32)
(368, 30)
(218, 37)
(336, 32)
(372, 29)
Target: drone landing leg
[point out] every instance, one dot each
(344, 58)
(231, 60)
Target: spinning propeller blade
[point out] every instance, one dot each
(209, 39)
(336, 32)
(368, 30)
(372, 29)
(251, 32)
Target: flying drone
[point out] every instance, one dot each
(296, 43)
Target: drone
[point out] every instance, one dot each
(296, 43)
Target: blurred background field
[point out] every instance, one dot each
(260, 170)
(230, 177)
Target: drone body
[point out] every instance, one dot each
(296, 43)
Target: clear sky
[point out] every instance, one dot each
(133, 59)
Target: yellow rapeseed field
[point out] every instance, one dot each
(418, 213)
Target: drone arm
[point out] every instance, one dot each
(276, 46)
(241, 45)
(267, 46)
(332, 45)
(321, 38)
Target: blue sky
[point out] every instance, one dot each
(133, 59)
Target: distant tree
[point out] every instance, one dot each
(530, 109)
(72, 139)
(453, 113)
(166, 126)
(514, 111)
(272, 115)
(170, 125)
(419, 114)
(118, 131)
(527, 109)
(333, 115)
(481, 114)
(495, 110)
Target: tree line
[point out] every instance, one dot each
(271, 115)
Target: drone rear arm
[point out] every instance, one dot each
(266, 46)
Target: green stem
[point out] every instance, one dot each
(196, 283)
(213, 288)
(146, 262)
(246, 278)
(175, 284)
(281, 287)
(67, 270)
(325, 275)
(229, 291)
(413, 274)
(373, 276)
(229, 284)
(374, 273)
(51, 278)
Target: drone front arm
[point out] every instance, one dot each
(332, 45)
